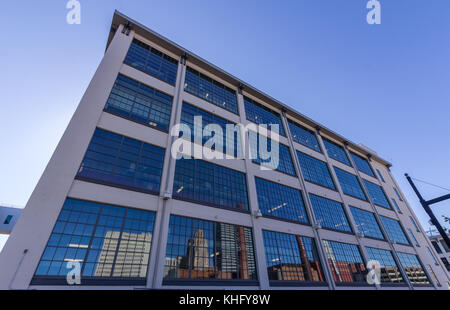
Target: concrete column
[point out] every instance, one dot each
(158, 253)
(308, 207)
(253, 206)
(377, 216)
(24, 248)
(341, 194)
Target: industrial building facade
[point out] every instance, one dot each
(115, 203)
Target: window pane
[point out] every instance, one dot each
(201, 181)
(304, 136)
(145, 58)
(261, 115)
(210, 90)
(110, 243)
(119, 160)
(362, 164)
(394, 230)
(336, 152)
(198, 249)
(291, 258)
(315, 171)
(284, 161)
(377, 194)
(350, 184)
(329, 213)
(413, 268)
(140, 103)
(345, 262)
(390, 272)
(280, 201)
(366, 223)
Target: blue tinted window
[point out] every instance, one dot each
(210, 90)
(398, 194)
(118, 160)
(366, 223)
(394, 230)
(145, 58)
(284, 156)
(201, 181)
(110, 243)
(304, 136)
(140, 103)
(261, 115)
(188, 113)
(350, 184)
(280, 201)
(413, 267)
(414, 223)
(413, 238)
(345, 262)
(389, 269)
(336, 152)
(204, 250)
(8, 219)
(381, 176)
(377, 194)
(396, 205)
(291, 258)
(362, 164)
(329, 213)
(315, 171)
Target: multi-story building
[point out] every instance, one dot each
(442, 250)
(114, 200)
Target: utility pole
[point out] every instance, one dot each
(426, 206)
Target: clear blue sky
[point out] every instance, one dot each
(386, 86)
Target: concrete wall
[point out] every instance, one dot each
(6, 228)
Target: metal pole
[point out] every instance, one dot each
(430, 213)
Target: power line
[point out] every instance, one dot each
(431, 184)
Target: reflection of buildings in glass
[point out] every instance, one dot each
(344, 271)
(307, 270)
(132, 255)
(416, 274)
(229, 259)
(391, 274)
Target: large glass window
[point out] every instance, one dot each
(261, 115)
(413, 267)
(203, 182)
(122, 161)
(285, 164)
(377, 194)
(366, 223)
(112, 244)
(280, 201)
(390, 273)
(188, 112)
(330, 214)
(204, 250)
(346, 263)
(362, 164)
(336, 152)
(210, 90)
(291, 257)
(350, 184)
(315, 170)
(140, 103)
(304, 136)
(145, 58)
(394, 230)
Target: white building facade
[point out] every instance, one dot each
(114, 202)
